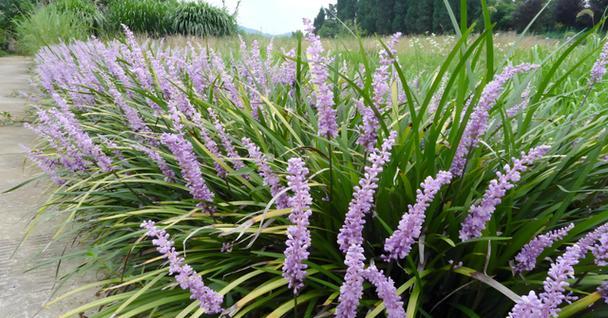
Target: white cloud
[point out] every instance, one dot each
(274, 16)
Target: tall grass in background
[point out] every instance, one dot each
(201, 19)
(163, 17)
(48, 25)
(142, 16)
(133, 133)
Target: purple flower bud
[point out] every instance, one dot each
(324, 95)
(603, 290)
(369, 127)
(599, 67)
(478, 122)
(523, 104)
(481, 213)
(351, 290)
(191, 171)
(298, 235)
(526, 258)
(186, 277)
(363, 197)
(398, 245)
(381, 78)
(270, 178)
(159, 160)
(546, 304)
(385, 288)
(225, 138)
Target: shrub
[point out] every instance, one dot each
(48, 25)
(201, 19)
(11, 10)
(141, 16)
(85, 10)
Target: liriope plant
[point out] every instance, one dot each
(310, 184)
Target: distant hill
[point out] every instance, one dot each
(258, 32)
(253, 31)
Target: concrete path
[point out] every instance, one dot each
(24, 287)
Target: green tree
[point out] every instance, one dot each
(319, 20)
(527, 10)
(441, 17)
(399, 12)
(410, 16)
(366, 14)
(384, 23)
(502, 13)
(566, 11)
(346, 9)
(424, 16)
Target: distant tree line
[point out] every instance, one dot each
(420, 16)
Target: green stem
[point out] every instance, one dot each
(331, 173)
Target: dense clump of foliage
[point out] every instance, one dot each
(11, 10)
(164, 17)
(36, 25)
(309, 184)
(201, 19)
(48, 25)
(142, 16)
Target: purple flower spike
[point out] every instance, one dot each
(160, 161)
(187, 278)
(600, 250)
(363, 197)
(526, 259)
(324, 95)
(369, 127)
(481, 213)
(398, 245)
(478, 122)
(45, 164)
(351, 290)
(191, 171)
(546, 304)
(599, 67)
(298, 235)
(523, 104)
(270, 178)
(228, 146)
(603, 290)
(385, 288)
(381, 78)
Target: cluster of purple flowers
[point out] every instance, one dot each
(191, 171)
(298, 235)
(599, 67)
(226, 142)
(350, 240)
(270, 178)
(159, 160)
(381, 78)
(525, 260)
(319, 75)
(523, 104)
(368, 130)
(186, 277)
(478, 122)
(363, 197)
(399, 244)
(481, 213)
(546, 304)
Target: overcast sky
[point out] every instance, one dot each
(274, 16)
